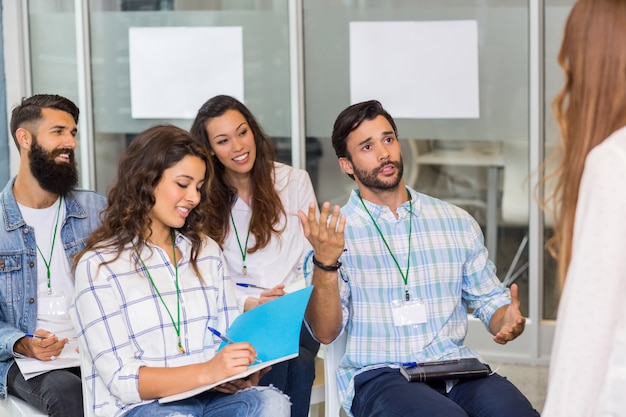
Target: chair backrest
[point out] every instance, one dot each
(332, 357)
(15, 407)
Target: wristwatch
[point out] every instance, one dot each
(326, 267)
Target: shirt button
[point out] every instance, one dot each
(26, 231)
(31, 300)
(31, 264)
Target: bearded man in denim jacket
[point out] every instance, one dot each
(44, 222)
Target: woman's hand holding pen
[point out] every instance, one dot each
(272, 294)
(267, 295)
(230, 360)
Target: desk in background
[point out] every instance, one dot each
(481, 154)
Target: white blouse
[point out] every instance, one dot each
(281, 261)
(588, 362)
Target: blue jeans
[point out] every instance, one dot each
(385, 392)
(57, 393)
(295, 377)
(251, 402)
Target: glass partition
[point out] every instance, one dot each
(265, 58)
(266, 66)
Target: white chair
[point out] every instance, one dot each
(317, 391)
(332, 357)
(15, 407)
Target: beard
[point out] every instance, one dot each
(57, 178)
(370, 178)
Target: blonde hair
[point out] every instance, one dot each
(591, 105)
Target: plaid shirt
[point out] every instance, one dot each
(449, 271)
(123, 325)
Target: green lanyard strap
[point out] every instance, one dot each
(175, 324)
(48, 262)
(242, 249)
(405, 275)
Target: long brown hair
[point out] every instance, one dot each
(591, 105)
(130, 199)
(267, 207)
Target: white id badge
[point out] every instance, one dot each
(406, 313)
(52, 304)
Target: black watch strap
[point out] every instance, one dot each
(326, 267)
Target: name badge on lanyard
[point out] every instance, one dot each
(406, 313)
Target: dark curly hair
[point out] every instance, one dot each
(130, 199)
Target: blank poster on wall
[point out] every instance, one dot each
(417, 70)
(174, 70)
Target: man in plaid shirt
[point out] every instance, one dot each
(409, 266)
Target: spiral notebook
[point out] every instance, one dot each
(466, 368)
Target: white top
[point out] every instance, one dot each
(588, 362)
(281, 261)
(123, 325)
(52, 311)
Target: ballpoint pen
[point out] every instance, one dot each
(36, 336)
(220, 335)
(225, 339)
(242, 284)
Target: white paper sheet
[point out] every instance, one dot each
(31, 367)
(173, 70)
(420, 70)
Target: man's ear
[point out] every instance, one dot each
(346, 165)
(23, 137)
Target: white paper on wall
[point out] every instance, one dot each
(417, 70)
(174, 70)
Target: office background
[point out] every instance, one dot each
(296, 61)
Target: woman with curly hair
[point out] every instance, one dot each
(148, 286)
(253, 204)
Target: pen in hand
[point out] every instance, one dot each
(226, 339)
(220, 335)
(36, 336)
(241, 284)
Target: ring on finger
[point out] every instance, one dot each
(52, 357)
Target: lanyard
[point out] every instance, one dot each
(405, 275)
(47, 262)
(176, 325)
(242, 249)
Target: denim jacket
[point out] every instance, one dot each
(18, 264)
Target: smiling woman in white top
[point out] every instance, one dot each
(253, 204)
(148, 286)
(588, 362)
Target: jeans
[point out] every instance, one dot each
(57, 393)
(385, 392)
(251, 402)
(295, 377)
